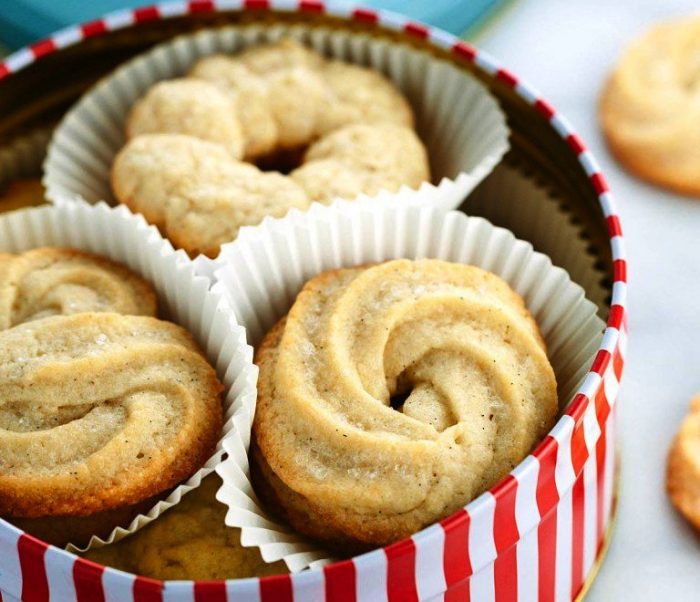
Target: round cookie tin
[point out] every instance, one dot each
(538, 534)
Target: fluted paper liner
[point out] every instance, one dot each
(264, 269)
(458, 120)
(511, 199)
(183, 297)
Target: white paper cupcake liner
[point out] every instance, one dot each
(511, 199)
(183, 297)
(264, 269)
(459, 121)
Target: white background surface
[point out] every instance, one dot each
(565, 48)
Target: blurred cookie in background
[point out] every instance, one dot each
(21, 193)
(650, 106)
(683, 479)
(189, 541)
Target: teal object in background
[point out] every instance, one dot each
(455, 16)
(25, 21)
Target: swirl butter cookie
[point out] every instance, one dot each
(99, 411)
(650, 106)
(362, 158)
(195, 192)
(282, 54)
(251, 95)
(683, 478)
(188, 106)
(341, 129)
(391, 395)
(301, 93)
(49, 281)
(361, 95)
(189, 541)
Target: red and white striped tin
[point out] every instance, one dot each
(534, 536)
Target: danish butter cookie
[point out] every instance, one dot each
(251, 95)
(361, 95)
(392, 395)
(189, 541)
(269, 103)
(362, 158)
(683, 479)
(100, 411)
(195, 192)
(650, 106)
(188, 106)
(49, 281)
(286, 53)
